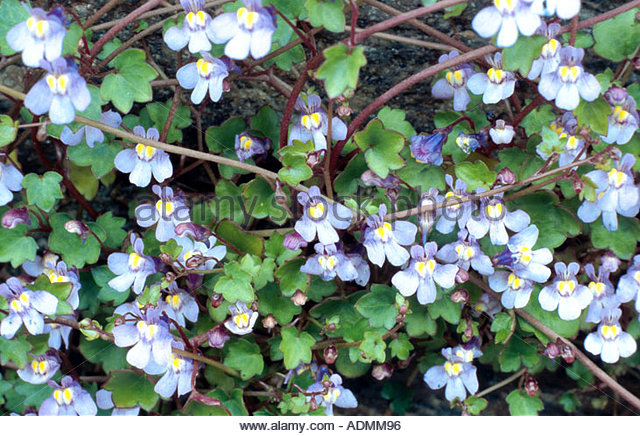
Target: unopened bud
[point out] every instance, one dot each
(13, 217)
(382, 371)
(313, 159)
(313, 404)
(462, 276)
(344, 110)
(331, 327)
(330, 355)
(299, 298)
(195, 261)
(269, 322)
(226, 86)
(79, 228)
(506, 177)
(531, 386)
(166, 258)
(41, 133)
(193, 230)
(460, 296)
(216, 300)
(403, 309)
(293, 241)
(404, 364)
(218, 336)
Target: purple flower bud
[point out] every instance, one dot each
(330, 355)
(269, 322)
(531, 386)
(370, 178)
(79, 228)
(294, 241)
(248, 145)
(506, 177)
(193, 230)
(380, 372)
(460, 295)
(428, 149)
(13, 217)
(216, 300)
(299, 298)
(218, 336)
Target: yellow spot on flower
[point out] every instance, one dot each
(495, 75)
(636, 276)
(525, 255)
(246, 142)
(617, 178)
(550, 48)
(572, 143)
(176, 362)
(384, 232)
(311, 121)
(455, 78)
(241, 320)
(597, 288)
(466, 355)
(569, 74)
(16, 306)
(620, 114)
(425, 267)
(494, 210)
(165, 208)
(37, 28)
(453, 369)
(135, 261)
(316, 211)
(566, 287)
(57, 84)
(40, 367)
(63, 396)
(327, 262)
(452, 197)
(148, 331)
(514, 282)
(247, 18)
(196, 19)
(145, 152)
(204, 68)
(173, 301)
(610, 331)
(465, 252)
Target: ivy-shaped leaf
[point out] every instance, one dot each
(43, 191)
(132, 81)
(296, 347)
(382, 147)
(341, 68)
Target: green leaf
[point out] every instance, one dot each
(581, 374)
(235, 235)
(521, 404)
(260, 202)
(290, 277)
(327, 13)
(418, 322)
(15, 246)
(236, 284)
(267, 122)
(372, 348)
(517, 353)
(245, 357)
(43, 191)
(71, 39)
(12, 13)
(475, 174)
(379, 306)
(132, 81)
(446, 309)
(501, 325)
(130, 390)
(455, 10)
(159, 112)
(271, 302)
(84, 181)
(74, 251)
(400, 396)
(224, 137)
(593, 114)
(14, 350)
(346, 184)
(112, 225)
(295, 170)
(569, 402)
(394, 119)
(401, 347)
(566, 329)
(296, 347)
(475, 405)
(341, 68)
(8, 130)
(521, 55)
(540, 117)
(100, 158)
(622, 241)
(617, 38)
(382, 147)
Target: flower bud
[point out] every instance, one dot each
(13, 217)
(170, 277)
(166, 258)
(531, 386)
(41, 133)
(330, 355)
(294, 241)
(216, 300)
(344, 110)
(79, 228)
(195, 231)
(462, 276)
(460, 296)
(382, 371)
(269, 322)
(195, 261)
(218, 336)
(506, 177)
(299, 298)
(610, 262)
(313, 404)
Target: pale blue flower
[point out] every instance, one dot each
(168, 212)
(465, 253)
(454, 211)
(178, 375)
(549, 59)
(495, 219)
(494, 85)
(454, 83)
(242, 319)
(487, 304)
(68, 399)
(624, 120)
(385, 240)
(502, 133)
(337, 395)
(39, 37)
(58, 333)
(423, 273)
(457, 374)
(506, 18)
(196, 31)
(25, 307)
(321, 218)
(313, 124)
(181, 304)
(131, 268)
(609, 341)
(10, 180)
(248, 30)
(329, 262)
(526, 262)
(143, 160)
(248, 145)
(515, 290)
(565, 293)
(428, 149)
(206, 74)
(602, 290)
(91, 134)
(198, 255)
(40, 369)
(629, 284)
(564, 9)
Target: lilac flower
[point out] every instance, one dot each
(40, 369)
(629, 284)
(571, 145)
(427, 212)
(469, 142)
(91, 134)
(549, 59)
(321, 217)
(369, 178)
(565, 9)
(336, 395)
(208, 73)
(494, 85)
(39, 37)
(565, 293)
(242, 319)
(144, 160)
(131, 269)
(25, 307)
(624, 120)
(104, 398)
(502, 133)
(182, 304)
(58, 333)
(168, 212)
(328, 263)
(149, 337)
(526, 263)
(249, 29)
(10, 180)
(569, 82)
(61, 92)
(69, 399)
(487, 304)
(602, 291)
(14, 217)
(615, 194)
(505, 18)
(423, 273)
(59, 273)
(248, 145)
(516, 291)
(382, 239)
(609, 341)
(197, 255)
(196, 31)
(454, 83)
(313, 124)
(610, 262)
(454, 211)
(466, 252)
(428, 149)
(494, 218)
(177, 376)
(468, 351)
(457, 374)
(362, 268)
